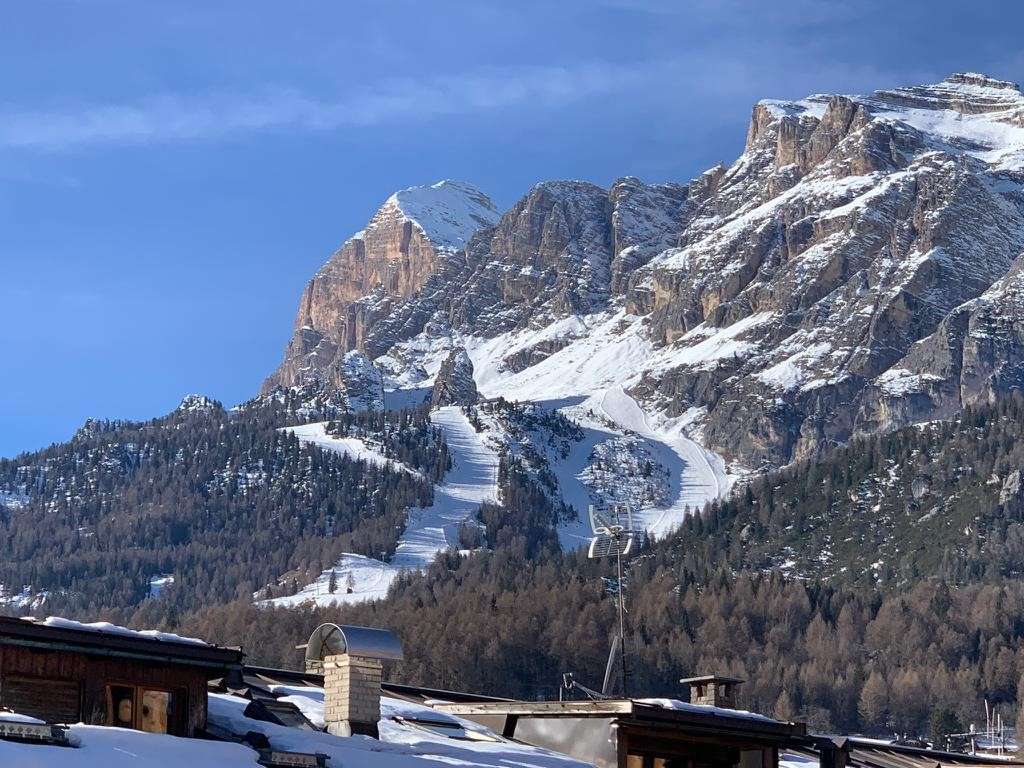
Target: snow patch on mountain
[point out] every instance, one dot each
(13, 499)
(27, 599)
(157, 584)
(605, 354)
(356, 579)
(448, 212)
(975, 114)
(357, 449)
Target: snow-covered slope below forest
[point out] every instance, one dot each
(472, 479)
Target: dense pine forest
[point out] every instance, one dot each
(225, 502)
(854, 658)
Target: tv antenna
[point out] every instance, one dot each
(614, 537)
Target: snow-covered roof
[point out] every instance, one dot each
(707, 709)
(112, 629)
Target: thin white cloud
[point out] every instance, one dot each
(177, 117)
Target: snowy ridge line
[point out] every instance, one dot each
(448, 212)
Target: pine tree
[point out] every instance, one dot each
(873, 705)
(942, 723)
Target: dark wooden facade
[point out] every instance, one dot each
(64, 675)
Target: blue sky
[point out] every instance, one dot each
(171, 173)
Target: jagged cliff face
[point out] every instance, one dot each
(386, 263)
(564, 251)
(857, 268)
(454, 383)
(849, 230)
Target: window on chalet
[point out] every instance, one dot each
(152, 710)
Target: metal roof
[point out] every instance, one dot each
(868, 753)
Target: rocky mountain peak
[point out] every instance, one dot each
(832, 280)
(194, 403)
(964, 92)
(448, 212)
(977, 80)
(405, 242)
(455, 384)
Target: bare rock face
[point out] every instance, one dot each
(360, 381)
(565, 249)
(454, 384)
(388, 262)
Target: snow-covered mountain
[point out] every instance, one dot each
(859, 267)
(855, 269)
(414, 232)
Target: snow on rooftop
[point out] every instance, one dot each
(412, 736)
(113, 629)
(685, 706)
(98, 746)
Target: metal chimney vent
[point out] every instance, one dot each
(366, 642)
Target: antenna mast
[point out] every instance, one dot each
(614, 535)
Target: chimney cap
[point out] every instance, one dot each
(368, 642)
(711, 679)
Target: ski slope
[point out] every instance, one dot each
(695, 479)
(472, 479)
(604, 355)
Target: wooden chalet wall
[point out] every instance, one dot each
(68, 686)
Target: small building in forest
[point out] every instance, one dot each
(62, 671)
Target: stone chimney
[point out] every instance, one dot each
(713, 690)
(351, 659)
(352, 695)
